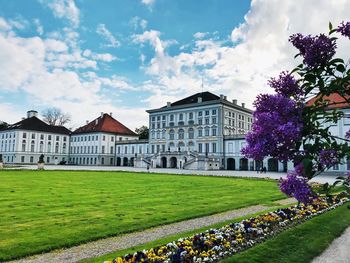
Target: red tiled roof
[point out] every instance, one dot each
(335, 101)
(105, 124)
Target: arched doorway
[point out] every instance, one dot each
(243, 164)
(132, 161)
(163, 162)
(231, 164)
(125, 161)
(173, 162)
(119, 161)
(272, 165)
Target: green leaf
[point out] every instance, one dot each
(307, 163)
(330, 26)
(341, 68)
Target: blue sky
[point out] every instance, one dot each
(124, 57)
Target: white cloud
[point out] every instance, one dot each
(147, 2)
(200, 34)
(107, 35)
(137, 22)
(54, 72)
(39, 26)
(106, 57)
(259, 49)
(65, 9)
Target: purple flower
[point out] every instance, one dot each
(299, 169)
(276, 129)
(344, 29)
(347, 134)
(317, 50)
(329, 158)
(296, 187)
(347, 177)
(285, 85)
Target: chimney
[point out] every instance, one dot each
(225, 97)
(96, 121)
(234, 102)
(168, 104)
(101, 114)
(199, 100)
(32, 113)
(243, 105)
(111, 114)
(87, 121)
(221, 96)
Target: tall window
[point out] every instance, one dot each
(200, 132)
(213, 132)
(56, 147)
(41, 147)
(103, 149)
(190, 133)
(207, 131)
(112, 149)
(181, 134)
(49, 147)
(200, 149)
(171, 135)
(214, 147)
(23, 145)
(24, 135)
(64, 147)
(190, 116)
(181, 117)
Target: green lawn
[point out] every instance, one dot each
(43, 210)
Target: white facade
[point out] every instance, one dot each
(25, 146)
(94, 148)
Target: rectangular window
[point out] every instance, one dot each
(125, 149)
(206, 112)
(200, 133)
(206, 132)
(33, 135)
(213, 147)
(213, 120)
(200, 121)
(152, 151)
(24, 135)
(191, 115)
(207, 121)
(57, 138)
(22, 159)
(112, 149)
(118, 150)
(213, 132)
(213, 112)
(200, 113)
(103, 149)
(200, 150)
(206, 147)
(103, 138)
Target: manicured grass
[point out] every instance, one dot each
(43, 210)
(299, 244)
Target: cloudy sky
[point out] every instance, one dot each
(126, 56)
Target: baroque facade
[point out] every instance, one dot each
(201, 132)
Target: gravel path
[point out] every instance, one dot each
(104, 246)
(338, 251)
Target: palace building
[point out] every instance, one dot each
(201, 132)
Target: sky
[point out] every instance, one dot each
(127, 56)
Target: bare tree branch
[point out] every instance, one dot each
(54, 116)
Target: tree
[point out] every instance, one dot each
(54, 116)
(143, 132)
(291, 127)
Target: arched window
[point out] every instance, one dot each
(171, 135)
(190, 133)
(181, 134)
(32, 146)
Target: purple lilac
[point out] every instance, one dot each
(276, 129)
(317, 50)
(296, 187)
(299, 169)
(347, 134)
(328, 158)
(344, 29)
(285, 85)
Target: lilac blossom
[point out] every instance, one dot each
(285, 85)
(276, 129)
(329, 157)
(344, 29)
(316, 51)
(299, 169)
(297, 187)
(347, 134)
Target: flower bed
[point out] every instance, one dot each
(215, 244)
